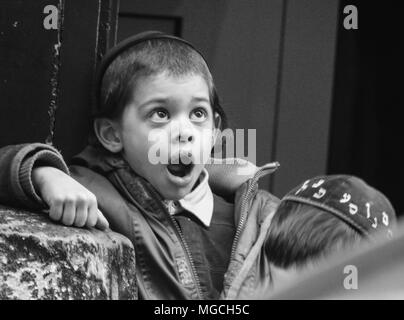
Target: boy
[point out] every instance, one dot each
(189, 242)
(320, 217)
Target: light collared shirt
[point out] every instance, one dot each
(199, 201)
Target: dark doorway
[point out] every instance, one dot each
(131, 23)
(366, 123)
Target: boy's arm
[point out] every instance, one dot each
(16, 165)
(35, 176)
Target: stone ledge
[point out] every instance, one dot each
(40, 259)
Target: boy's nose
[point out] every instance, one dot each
(184, 132)
(186, 136)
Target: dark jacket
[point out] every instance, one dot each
(165, 268)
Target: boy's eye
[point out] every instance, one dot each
(159, 116)
(198, 115)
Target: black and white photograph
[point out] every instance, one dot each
(224, 151)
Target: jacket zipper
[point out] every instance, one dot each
(181, 238)
(188, 253)
(242, 219)
(251, 186)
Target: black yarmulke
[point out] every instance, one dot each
(350, 199)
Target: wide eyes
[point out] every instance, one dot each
(159, 115)
(198, 115)
(163, 116)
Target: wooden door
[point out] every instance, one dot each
(48, 55)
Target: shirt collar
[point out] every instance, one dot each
(199, 202)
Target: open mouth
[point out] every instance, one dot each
(181, 169)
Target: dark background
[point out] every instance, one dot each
(366, 135)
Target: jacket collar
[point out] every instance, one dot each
(199, 202)
(99, 159)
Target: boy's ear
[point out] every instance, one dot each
(216, 130)
(108, 134)
(218, 120)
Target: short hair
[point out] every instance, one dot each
(152, 57)
(300, 234)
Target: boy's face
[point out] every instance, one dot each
(167, 132)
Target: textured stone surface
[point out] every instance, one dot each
(40, 259)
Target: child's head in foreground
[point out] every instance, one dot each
(324, 215)
(157, 90)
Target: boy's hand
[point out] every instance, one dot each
(68, 201)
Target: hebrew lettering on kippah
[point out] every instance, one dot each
(374, 224)
(367, 210)
(318, 183)
(385, 219)
(320, 193)
(353, 208)
(303, 187)
(345, 198)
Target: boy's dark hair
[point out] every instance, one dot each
(151, 57)
(300, 233)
